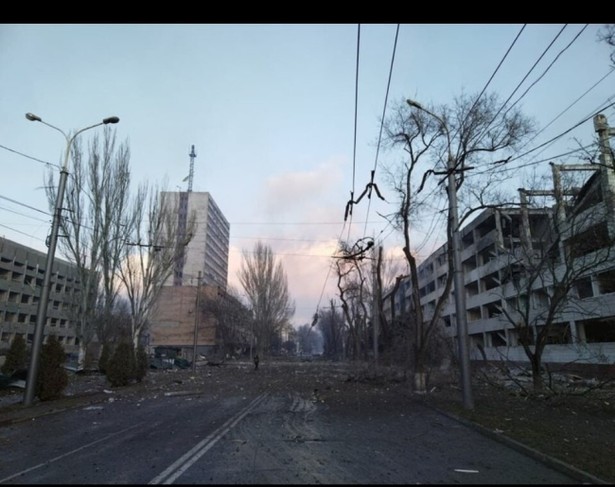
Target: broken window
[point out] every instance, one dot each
(599, 331)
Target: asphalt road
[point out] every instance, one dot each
(267, 438)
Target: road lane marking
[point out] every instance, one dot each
(189, 458)
(48, 462)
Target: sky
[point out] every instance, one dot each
(285, 118)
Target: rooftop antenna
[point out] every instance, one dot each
(191, 175)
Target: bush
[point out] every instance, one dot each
(104, 358)
(141, 364)
(16, 356)
(52, 377)
(121, 365)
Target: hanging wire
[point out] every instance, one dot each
(386, 98)
(356, 106)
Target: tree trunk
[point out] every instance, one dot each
(536, 373)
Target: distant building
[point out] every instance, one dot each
(22, 270)
(494, 253)
(172, 322)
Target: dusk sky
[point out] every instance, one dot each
(270, 109)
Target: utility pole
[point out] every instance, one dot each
(197, 312)
(460, 292)
(607, 173)
(376, 302)
(601, 126)
(41, 313)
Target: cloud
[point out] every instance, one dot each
(292, 191)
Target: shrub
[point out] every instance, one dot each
(52, 377)
(121, 365)
(141, 364)
(16, 356)
(105, 354)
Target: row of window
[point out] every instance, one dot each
(8, 265)
(6, 338)
(589, 331)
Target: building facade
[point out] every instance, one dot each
(517, 262)
(173, 321)
(207, 251)
(22, 270)
(179, 321)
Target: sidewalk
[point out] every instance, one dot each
(17, 412)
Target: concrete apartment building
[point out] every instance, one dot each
(208, 249)
(22, 270)
(498, 248)
(173, 321)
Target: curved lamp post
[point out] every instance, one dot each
(460, 298)
(41, 314)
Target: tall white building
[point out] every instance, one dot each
(208, 249)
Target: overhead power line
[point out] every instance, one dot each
(29, 157)
(569, 107)
(24, 205)
(563, 133)
(22, 233)
(491, 78)
(547, 69)
(486, 128)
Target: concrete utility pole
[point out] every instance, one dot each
(460, 292)
(41, 313)
(197, 313)
(601, 126)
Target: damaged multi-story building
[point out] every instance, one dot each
(22, 270)
(534, 268)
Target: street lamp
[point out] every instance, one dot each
(41, 314)
(460, 298)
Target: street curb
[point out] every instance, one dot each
(555, 463)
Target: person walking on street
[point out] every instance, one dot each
(256, 362)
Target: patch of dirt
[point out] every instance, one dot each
(576, 425)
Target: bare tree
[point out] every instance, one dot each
(94, 228)
(265, 284)
(150, 253)
(332, 329)
(352, 274)
(473, 133)
(608, 35)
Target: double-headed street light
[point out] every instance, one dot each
(460, 298)
(41, 314)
